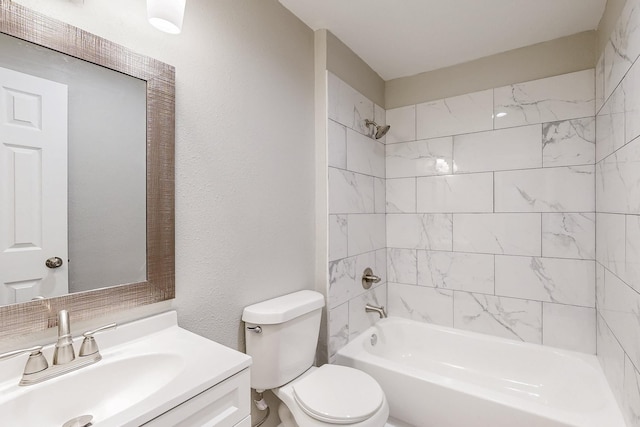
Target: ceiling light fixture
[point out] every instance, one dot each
(166, 15)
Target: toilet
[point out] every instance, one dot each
(282, 336)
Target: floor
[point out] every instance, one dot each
(392, 422)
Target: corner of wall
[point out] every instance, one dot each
(350, 68)
(607, 23)
(321, 187)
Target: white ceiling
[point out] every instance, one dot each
(400, 38)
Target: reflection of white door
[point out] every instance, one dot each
(33, 187)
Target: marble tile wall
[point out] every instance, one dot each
(357, 226)
(617, 158)
(490, 205)
(479, 211)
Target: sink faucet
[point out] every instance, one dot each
(64, 352)
(373, 309)
(64, 359)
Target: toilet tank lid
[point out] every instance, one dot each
(284, 308)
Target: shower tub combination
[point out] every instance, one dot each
(435, 376)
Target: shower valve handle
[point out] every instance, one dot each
(368, 278)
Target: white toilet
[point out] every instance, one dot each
(282, 335)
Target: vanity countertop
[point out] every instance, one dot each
(148, 367)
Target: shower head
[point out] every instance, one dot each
(380, 130)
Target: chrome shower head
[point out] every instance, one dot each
(380, 130)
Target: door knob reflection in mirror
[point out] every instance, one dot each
(54, 262)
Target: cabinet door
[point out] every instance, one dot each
(223, 405)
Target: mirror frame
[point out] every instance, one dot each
(19, 319)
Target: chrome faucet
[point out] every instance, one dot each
(38, 370)
(373, 309)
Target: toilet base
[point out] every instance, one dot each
(286, 417)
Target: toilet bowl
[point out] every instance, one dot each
(282, 336)
(332, 395)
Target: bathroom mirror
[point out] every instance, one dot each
(151, 217)
(96, 166)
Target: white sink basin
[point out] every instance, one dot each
(148, 367)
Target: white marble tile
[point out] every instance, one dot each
(366, 233)
(600, 83)
(342, 281)
(365, 155)
(338, 328)
(563, 189)
(420, 158)
(401, 195)
(350, 192)
(381, 264)
(599, 285)
(380, 197)
(569, 235)
(564, 281)
(345, 275)
(621, 311)
(402, 266)
(452, 116)
(632, 252)
(380, 117)
(456, 271)
(509, 234)
(337, 237)
(631, 399)
(347, 106)
(359, 319)
(420, 303)
(569, 327)
(569, 142)
(568, 96)
(631, 93)
(504, 149)
(403, 124)
(337, 145)
(610, 242)
(623, 47)
(333, 86)
(610, 125)
(611, 358)
(419, 231)
(455, 193)
(505, 317)
(618, 181)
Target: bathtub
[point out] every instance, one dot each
(435, 376)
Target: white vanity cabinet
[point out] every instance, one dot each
(226, 404)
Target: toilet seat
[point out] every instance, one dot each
(338, 395)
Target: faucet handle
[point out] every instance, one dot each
(368, 278)
(36, 361)
(33, 350)
(89, 345)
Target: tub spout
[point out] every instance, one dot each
(372, 308)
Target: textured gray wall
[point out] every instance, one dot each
(244, 149)
(552, 58)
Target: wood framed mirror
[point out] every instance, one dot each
(18, 319)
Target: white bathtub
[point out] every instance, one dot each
(442, 377)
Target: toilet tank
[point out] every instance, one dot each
(286, 345)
